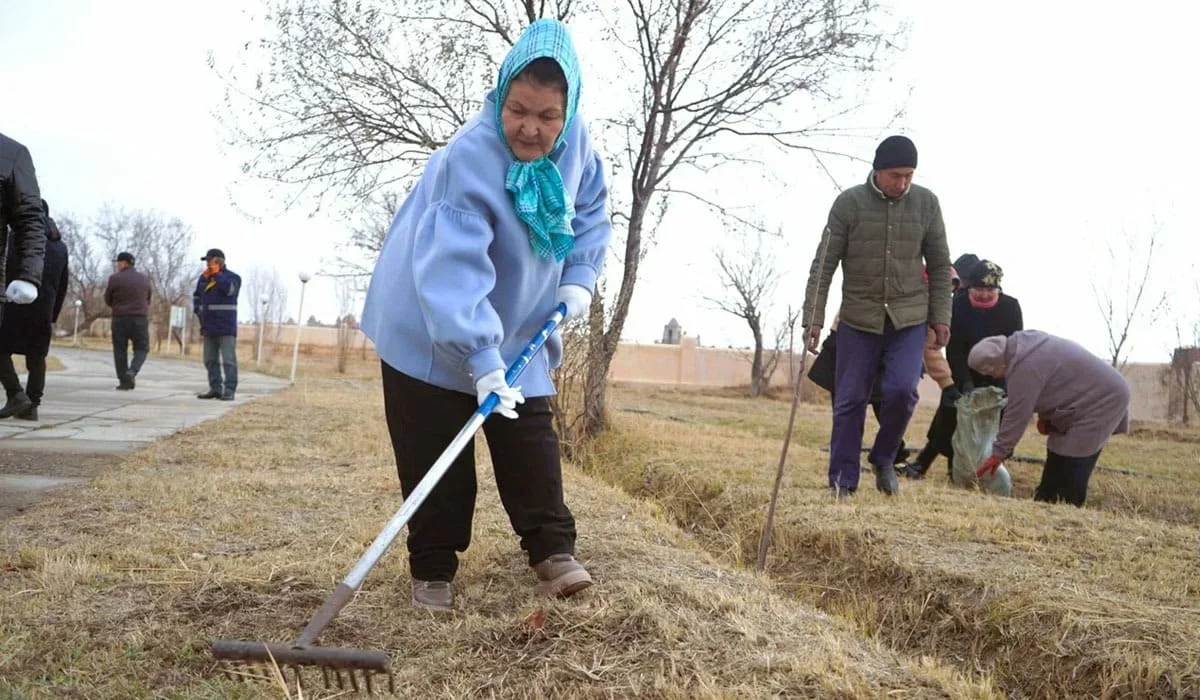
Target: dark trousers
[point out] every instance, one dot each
(220, 353)
(938, 439)
(34, 386)
(861, 356)
(1065, 478)
(422, 420)
(126, 330)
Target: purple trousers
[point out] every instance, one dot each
(860, 356)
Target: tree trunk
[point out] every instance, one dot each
(757, 383)
(602, 345)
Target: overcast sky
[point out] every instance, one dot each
(1047, 130)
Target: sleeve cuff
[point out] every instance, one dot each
(485, 361)
(580, 274)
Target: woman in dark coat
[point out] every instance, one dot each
(981, 309)
(26, 329)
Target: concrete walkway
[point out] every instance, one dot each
(83, 415)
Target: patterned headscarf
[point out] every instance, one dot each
(984, 273)
(987, 357)
(537, 189)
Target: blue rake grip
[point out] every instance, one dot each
(514, 372)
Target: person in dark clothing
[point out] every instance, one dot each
(215, 302)
(984, 310)
(980, 309)
(128, 293)
(26, 329)
(20, 210)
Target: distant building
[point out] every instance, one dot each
(672, 333)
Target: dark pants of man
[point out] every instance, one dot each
(898, 354)
(126, 330)
(35, 385)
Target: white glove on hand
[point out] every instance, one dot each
(21, 292)
(577, 299)
(510, 396)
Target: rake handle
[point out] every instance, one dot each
(346, 589)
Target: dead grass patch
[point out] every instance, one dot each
(1049, 601)
(240, 527)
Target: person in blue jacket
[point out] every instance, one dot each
(508, 220)
(215, 302)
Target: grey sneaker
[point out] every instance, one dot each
(886, 481)
(437, 596)
(560, 576)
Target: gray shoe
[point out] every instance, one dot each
(437, 596)
(838, 493)
(560, 576)
(886, 481)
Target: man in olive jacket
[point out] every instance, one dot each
(882, 233)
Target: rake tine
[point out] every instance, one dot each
(325, 677)
(367, 679)
(354, 681)
(391, 683)
(337, 673)
(296, 673)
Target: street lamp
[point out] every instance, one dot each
(262, 328)
(78, 303)
(304, 278)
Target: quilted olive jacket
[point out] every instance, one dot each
(883, 245)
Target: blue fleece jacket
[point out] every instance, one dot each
(458, 290)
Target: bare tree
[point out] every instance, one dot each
(718, 71)
(748, 280)
(354, 96)
(267, 294)
(161, 247)
(347, 291)
(88, 271)
(1121, 298)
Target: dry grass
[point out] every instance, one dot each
(238, 529)
(1046, 601)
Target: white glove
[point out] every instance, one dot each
(21, 292)
(510, 396)
(577, 299)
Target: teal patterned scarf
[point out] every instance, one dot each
(539, 196)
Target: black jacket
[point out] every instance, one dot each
(26, 328)
(970, 325)
(20, 209)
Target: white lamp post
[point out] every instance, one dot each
(304, 278)
(78, 303)
(262, 329)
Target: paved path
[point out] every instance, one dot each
(82, 418)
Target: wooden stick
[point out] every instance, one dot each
(764, 542)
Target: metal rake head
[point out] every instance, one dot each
(356, 670)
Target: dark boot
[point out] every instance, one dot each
(885, 480)
(227, 396)
(29, 414)
(129, 379)
(210, 394)
(126, 383)
(17, 403)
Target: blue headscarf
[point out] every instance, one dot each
(537, 189)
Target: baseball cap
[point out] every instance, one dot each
(124, 257)
(213, 253)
